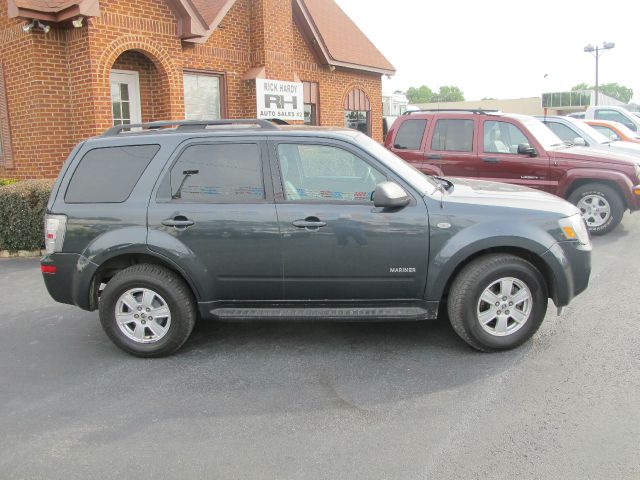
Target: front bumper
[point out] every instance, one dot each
(570, 264)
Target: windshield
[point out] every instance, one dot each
(540, 131)
(413, 176)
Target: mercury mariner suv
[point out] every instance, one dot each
(160, 224)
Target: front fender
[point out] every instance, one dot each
(593, 174)
(450, 253)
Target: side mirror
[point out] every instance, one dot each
(580, 142)
(390, 195)
(614, 137)
(526, 149)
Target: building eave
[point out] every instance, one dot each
(85, 8)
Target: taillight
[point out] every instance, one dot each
(55, 227)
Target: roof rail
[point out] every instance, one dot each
(470, 110)
(188, 124)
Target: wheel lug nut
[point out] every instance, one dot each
(143, 322)
(504, 298)
(139, 308)
(499, 312)
(149, 318)
(136, 316)
(497, 304)
(148, 309)
(510, 304)
(506, 312)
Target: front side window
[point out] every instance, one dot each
(502, 137)
(453, 135)
(325, 173)
(606, 131)
(410, 133)
(563, 132)
(223, 173)
(202, 98)
(108, 175)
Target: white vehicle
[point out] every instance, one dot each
(616, 114)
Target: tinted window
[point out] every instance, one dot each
(224, 173)
(410, 133)
(455, 135)
(563, 132)
(108, 175)
(502, 137)
(320, 172)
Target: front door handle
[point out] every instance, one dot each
(179, 221)
(434, 156)
(491, 159)
(309, 222)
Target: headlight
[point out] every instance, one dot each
(575, 228)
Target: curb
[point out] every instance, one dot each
(21, 253)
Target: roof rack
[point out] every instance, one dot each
(188, 125)
(470, 110)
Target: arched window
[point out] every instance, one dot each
(357, 111)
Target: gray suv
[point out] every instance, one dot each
(160, 224)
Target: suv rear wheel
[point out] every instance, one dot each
(497, 302)
(147, 311)
(601, 207)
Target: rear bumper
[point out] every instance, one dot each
(570, 264)
(71, 281)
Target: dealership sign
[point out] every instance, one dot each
(276, 99)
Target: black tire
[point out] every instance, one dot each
(472, 281)
(170, 287)
(610, 195)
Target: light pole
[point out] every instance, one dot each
(597, 51)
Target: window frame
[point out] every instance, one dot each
(278, 183)
(222, 76)
(163, 190)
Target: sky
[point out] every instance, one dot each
(502, 49)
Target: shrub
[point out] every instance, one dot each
(22, 209)
(7, 181)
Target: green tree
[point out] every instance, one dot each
(620, 92)
(448, 93)
(421, 94)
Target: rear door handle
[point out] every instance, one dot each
(309, 222)
(434, 156)
(178, 221)
(491, 159)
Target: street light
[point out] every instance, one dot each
(598, 51)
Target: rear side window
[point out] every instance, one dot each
(409, 136)
(223, 173)
(453, 135)
(108, 175)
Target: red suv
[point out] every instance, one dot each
(522, 150)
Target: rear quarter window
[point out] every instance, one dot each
(108, 175)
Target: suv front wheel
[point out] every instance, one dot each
(147, 311)
(601, 206)
(497, 302)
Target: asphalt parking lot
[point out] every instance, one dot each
(326, 401)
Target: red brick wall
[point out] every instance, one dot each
(58, 85)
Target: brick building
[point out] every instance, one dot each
(70, 69)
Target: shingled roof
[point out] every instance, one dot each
(333, 36)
